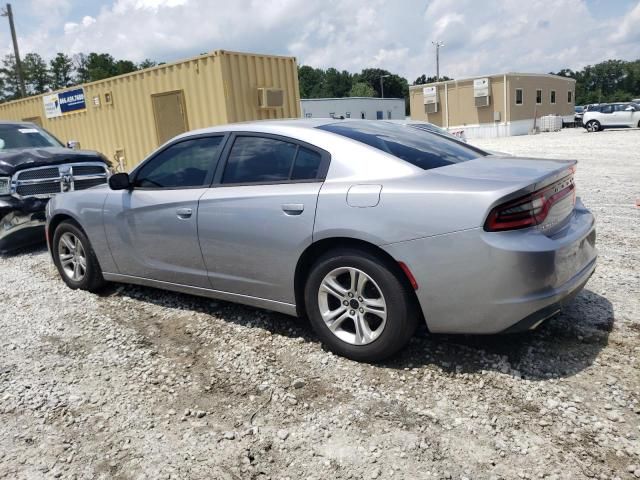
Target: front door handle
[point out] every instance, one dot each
(293, 208)
(184, 213)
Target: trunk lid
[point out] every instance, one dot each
(512, 178)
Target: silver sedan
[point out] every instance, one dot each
(366, 228)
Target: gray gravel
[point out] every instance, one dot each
(139, 383)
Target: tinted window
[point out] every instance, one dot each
(418, 147)
(256, 159)
(306, 165)
(25, 136)
(606, 109)
(184, 164)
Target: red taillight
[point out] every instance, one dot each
(531, 209)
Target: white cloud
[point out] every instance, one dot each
(480, 37)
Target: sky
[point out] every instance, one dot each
(480, 37)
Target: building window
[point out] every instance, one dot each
(379, 115)
(519, 96)
(538, 97)
(348, 114)
(388, 114)
(569, 96)
(308, 115)
(363, 115)
(553, 96)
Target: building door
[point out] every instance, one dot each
(170, 114)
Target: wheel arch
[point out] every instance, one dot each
(320, 247)
(53, 223)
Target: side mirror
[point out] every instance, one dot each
(120, 181)
(73, 144)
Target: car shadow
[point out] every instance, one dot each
(561, 347)
(29, 249)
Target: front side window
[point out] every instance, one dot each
(418, 147)
(269, 160)
(538, 97)
(182, 165)
(606, 109)
(519, 96)
(553, 96)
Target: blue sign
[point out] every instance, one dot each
(71, 100)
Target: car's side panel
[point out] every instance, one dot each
(251, 236)
(153, 234)
(282, 307)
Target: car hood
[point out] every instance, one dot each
(13, 160)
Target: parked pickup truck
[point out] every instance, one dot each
(34, 166)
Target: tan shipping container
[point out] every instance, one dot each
(128, 116)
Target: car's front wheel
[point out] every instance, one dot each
(75, 259)
(359, 306)
(593, 126)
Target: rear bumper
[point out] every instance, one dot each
(479, 282)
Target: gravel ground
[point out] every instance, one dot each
(140, 383)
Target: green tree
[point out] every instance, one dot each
(395, 86)
(125, 66)
(80, 66)
(311, 81)
(36, 74)
(101, 66)
(336, 84)
(60, 69)
(146, 63)
(422, 79)
(9, 76)
(362, 89)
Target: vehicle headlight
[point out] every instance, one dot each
(5, 185)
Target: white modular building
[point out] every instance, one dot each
(369, 108)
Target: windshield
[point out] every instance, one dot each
(16, 137)
(421, 148)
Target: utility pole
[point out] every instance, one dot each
(438, 44)
(382, 85)
(9, 13)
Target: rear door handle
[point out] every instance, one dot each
(293, 208)
(184, 213)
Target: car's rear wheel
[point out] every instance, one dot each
(593, 126)
(74, 257)
(358, 305)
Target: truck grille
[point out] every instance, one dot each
(45, 182)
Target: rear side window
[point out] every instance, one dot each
(264, 160)
(418, 147)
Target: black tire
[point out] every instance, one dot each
(593, 126)
(401, 311)
(92, 280)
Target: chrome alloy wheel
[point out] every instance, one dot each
(352, 305)
(592, 126)
(72, 257)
